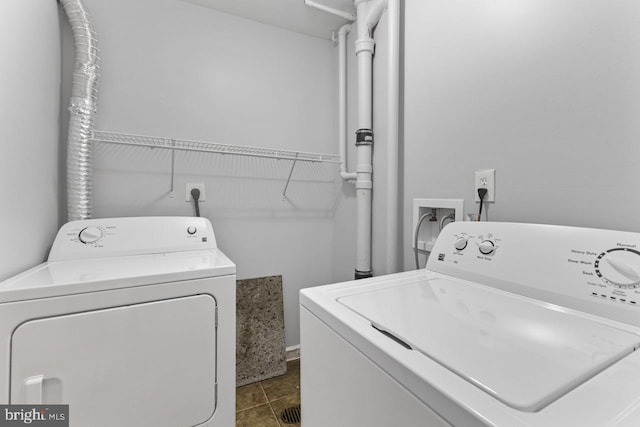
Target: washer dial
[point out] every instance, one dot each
(90, 235)
(486, 247)
(460, 243)
(619, 267)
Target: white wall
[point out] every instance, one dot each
(175, 69)
(29, 155)
(545, 92)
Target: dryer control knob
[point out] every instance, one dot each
(191, 229)
(460, 243)
(486, 247)
(90, 235)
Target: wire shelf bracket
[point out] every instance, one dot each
(284, 192)
(173, 168)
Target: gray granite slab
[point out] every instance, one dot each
(260, 349)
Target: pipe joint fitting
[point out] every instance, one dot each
(363, 274)
(348, 176)
(344, 30)
(369, 13)
(364, 137)
(374, 12)
(365, 45)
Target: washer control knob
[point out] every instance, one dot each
(619, 267)
(191, 229)
(486, 247)
(460, 243)
(90, 235)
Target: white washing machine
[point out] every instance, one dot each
(510, 325)
(131, 322)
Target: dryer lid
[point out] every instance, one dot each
(523, 352)
(91, 275)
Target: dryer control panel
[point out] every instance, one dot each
(108, 237)
(587, 269)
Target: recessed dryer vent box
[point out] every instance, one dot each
(429, 230)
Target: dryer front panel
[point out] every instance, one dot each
(166, 376)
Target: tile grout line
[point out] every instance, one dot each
(259, 404)
(251, 407)
(269, 403)
(264, 393)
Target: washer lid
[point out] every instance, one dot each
(523, 352)
(90, 275)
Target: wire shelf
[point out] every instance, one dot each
(210, 147)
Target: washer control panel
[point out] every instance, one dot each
(483, 246)
(108, 237)
(579, 267)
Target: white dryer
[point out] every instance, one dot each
(510, 325)
(131, 322)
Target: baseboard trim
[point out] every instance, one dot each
(292, 352)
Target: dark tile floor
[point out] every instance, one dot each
(260, 404)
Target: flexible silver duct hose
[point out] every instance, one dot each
(84, 98)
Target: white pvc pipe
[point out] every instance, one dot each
(393, 108)
(364, 52)
(364, 169)
(369, 13)
(342, 102)
(373, 11)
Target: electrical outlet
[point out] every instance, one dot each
(190, 186)
(486, 179)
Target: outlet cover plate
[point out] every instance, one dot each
(192, 185)
(486, 179)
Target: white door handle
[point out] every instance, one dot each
(33, 390)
